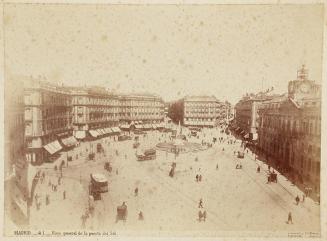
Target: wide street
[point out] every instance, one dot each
(234, 199)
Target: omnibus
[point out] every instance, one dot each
(98, 183)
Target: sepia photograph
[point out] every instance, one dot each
(177, 120)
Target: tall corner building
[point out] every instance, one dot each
(290, 130)
(203, 111)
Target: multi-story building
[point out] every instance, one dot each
(246, 118)
(204, 111)
(289, 130)
(142, 108)
(48, 120)
(15, 164)
(95, 111)
(99, 112)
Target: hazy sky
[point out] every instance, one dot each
(170, 50)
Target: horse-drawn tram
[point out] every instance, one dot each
(149, 154)
(98, 185)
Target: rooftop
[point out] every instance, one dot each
(200, 98)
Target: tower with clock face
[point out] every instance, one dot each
(302, 87)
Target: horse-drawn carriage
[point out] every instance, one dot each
(149, 154)
(121, 212)
(98, 184)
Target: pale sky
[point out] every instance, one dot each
(170, 50)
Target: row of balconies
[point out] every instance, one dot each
(118, 104)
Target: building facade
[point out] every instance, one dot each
(290, 130)
(93, 108)
(246, 120)
(142, 108)
(48, 119)
(203, 111)
(96, 110)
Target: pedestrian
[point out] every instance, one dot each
(47, 200)
(36, 197)
(303, 198)
(258, 169)
(297, 200)
(289, 219)
(200, 203)
(55, 188)
(136, 191)
(197, 177)
(141, 217)
(116, 171)
(59, 181)
(217, 166)
(200, 215)
(204, 215)
(200, 178)
(64, 195)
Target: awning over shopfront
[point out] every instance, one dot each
(115, 129)
(69, 141)
(93, 133)
(125, 127)
(101, 132)
(106, 130)
(80, 134)
(147, 126)
(53, 147)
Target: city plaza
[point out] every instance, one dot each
(234, 199)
